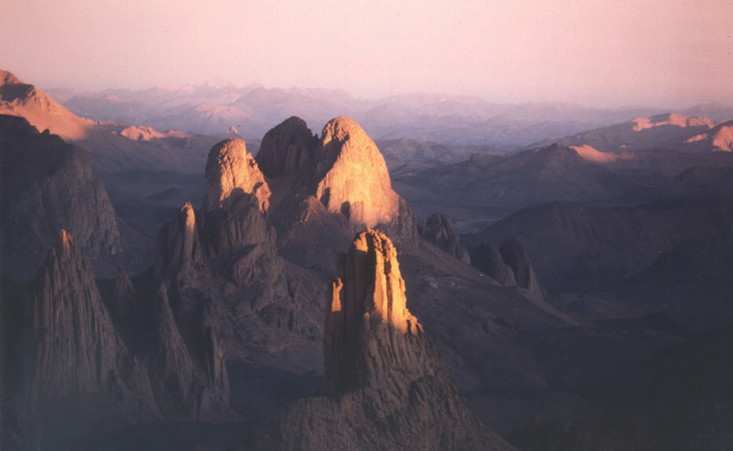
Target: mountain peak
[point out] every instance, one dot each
(8, 78)
(352, 175)
(288, 149)
(21, 99)
(231, 172)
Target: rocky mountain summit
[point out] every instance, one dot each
(385, 384)
(231, 171)
(329, 188)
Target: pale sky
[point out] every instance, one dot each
(597, 53)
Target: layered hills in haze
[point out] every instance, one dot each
(253, 109)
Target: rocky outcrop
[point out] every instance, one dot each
(187, 363)
(76, 347)
(510, 267)
(231, 172)
(288, 149)
(487, 259)
(385, 385)
(48, 185)
(229, 294)
(327, 189)
(514, 255)
(439, 231)
(352, 177)
(69, 368)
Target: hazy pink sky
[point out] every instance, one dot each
(604, 52)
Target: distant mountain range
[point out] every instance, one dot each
(254, 109)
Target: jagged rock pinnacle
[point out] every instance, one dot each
(368, 303)
(232, 172)
(75, 346)
(386, 386)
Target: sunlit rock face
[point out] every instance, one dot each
(21, 99)
(368, 310)
(230, 172)
(352, 177)
(326, 189)
(386, 386)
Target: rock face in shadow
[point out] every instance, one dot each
(487, 258)
(68, 369)
(439, 231)
(48, 185)
(385, 384)
(288, 149)
(509, 266)
(514, 255)
(187, 364)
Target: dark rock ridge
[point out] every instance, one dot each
(438, 230)
(48, 185)
(68, 370)
(588, 248)
(329, 188)
(385, 384)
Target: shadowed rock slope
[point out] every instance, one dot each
(385, 385)
(438, 230)
(48, 185)
(588, 248)
(67, 370)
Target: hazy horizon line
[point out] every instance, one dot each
(221, 83)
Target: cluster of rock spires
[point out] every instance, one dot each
(385, 385)
(220, 292)
(328, 188)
